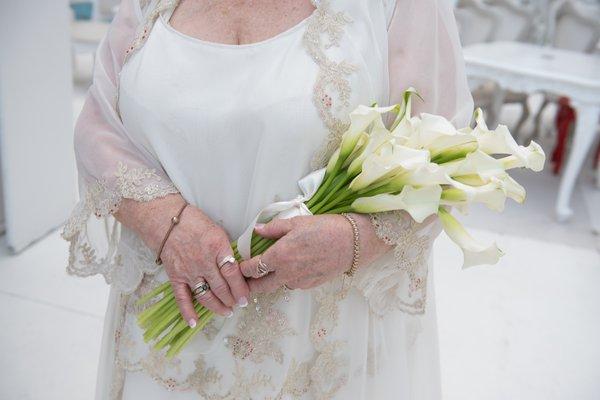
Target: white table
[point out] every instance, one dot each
(523, 67)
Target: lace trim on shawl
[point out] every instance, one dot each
(122, 260)
(332, 89)
(399, 279)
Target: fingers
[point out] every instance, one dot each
(213, 303)
(219, 286)
(274, 229)
(234, 278)
(183, 297)
(250, 268)
(267, 284)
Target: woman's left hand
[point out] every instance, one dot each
(310, 251)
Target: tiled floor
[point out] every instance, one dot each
(524, 329)
(51, 325)
(527, 328)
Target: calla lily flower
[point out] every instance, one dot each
(358, 149)
(360, 119)
(418, 202)
(500, 141)
(491, 194)
(476, 163)
(423, 175)
(404, 112)
(474, 252)
(378, 136)
(531, 157)
(511, 188)
(332, 161)
(388, 161)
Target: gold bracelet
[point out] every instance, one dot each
(174, 221)
(356, 249)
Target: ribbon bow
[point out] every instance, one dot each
(283, 209)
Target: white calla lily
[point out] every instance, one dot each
(404, 111)
(378, 136)
(333, 161)
(476, 163)
(511, 188)
(531, 157)
(423, 175)
(429, 129)
(492, 194)
(418, 202)
(386, 162)
(500, 141)
(436, 134)
(474, 252)
(406, 129)
(360, 119)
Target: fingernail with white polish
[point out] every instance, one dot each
(243, 302)
(192, 323)
(229, 315)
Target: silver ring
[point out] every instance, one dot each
(226, 260)
(201, 288)
(262, 269)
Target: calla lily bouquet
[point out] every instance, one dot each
(421, 165)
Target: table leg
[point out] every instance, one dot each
(585, 132)
(496, 107)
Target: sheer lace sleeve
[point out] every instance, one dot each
(110, 165)
(425, 53)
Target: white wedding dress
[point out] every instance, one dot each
(233, 128)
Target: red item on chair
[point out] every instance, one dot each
(565, 117)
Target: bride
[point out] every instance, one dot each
(208, 111)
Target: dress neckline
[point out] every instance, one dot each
(164, 19)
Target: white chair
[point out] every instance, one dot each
(476, 23)
(572, 25)
(507, 21)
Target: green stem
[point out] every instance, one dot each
(153, 293)
(340, 181)
(154, 308)
(340, 210)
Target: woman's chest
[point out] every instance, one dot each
(238, 22)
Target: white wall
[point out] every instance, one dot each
(35, 117)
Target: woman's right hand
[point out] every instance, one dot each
(191, 253)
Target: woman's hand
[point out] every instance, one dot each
(191, 253)
(311, 250)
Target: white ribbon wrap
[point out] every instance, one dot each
(283, 209)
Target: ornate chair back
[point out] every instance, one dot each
(574, 25)
(514, 21)
(476, 23)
